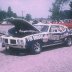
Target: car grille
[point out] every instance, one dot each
(13, 41)
(6, 40)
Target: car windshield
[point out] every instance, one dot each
(42, 28)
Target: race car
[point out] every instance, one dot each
(35, 37)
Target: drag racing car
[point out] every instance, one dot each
(23, 35)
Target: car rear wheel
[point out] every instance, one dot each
(36, 48)
(69, 41)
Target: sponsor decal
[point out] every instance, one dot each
(30, 38)
(34, 37)
(54, 37)
(64, 35)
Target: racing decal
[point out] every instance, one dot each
(54, 37)
(30, 38)
(34, 37)
(64, 35)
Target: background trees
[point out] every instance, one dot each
(8, 14)
(56, 9)
(3, 15)
(70, 5)
(67, 14)
(28, 17)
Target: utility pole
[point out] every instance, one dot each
(22, 14)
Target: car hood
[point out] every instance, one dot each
(21, 24)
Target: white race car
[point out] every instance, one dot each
(34, 37)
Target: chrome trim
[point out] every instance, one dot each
(51, 44)
(14, 46)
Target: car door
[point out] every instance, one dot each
(55, 34)
(64, 32)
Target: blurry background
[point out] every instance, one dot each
(36, 9)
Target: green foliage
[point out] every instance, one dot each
(70, 5)
(28, 17)
(67, 14)
(3, 15)
(56, 9)
(8, 14)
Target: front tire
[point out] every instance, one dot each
(36, 48)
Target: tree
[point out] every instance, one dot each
(70, 5)
(66, 14)
(56, 9)
(14, 15)
(28, 17)
(10, 13)
(3, 15)
(70, 9)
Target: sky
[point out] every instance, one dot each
(37, 8)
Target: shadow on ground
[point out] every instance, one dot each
(23, 52)
(19, 52)
(52, 47)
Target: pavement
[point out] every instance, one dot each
(52, 59)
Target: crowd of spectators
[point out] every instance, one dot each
(62, 21)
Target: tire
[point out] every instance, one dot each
(36, 48)
(69, 41)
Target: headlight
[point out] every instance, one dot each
(2, 40)
(22, 42)
(18, 41)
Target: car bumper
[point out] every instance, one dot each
(14, 46)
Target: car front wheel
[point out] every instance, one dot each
(36, 48)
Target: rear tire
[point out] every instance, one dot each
(69, 41)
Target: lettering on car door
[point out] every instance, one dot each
(54, 32)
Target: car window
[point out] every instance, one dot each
(54, 28)
(39, 27)
(42, 28)
(62, 28)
